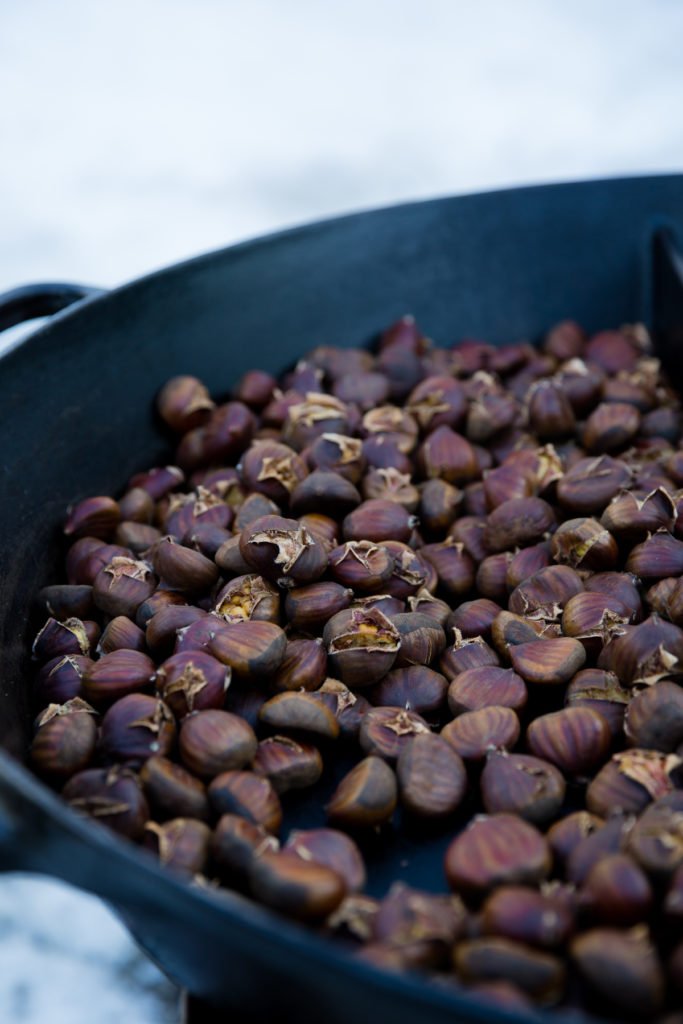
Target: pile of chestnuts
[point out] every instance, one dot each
(450, 580)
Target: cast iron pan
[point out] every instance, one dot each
(76, 419)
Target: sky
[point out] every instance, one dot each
(139, 133)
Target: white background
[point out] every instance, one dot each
(134, 134)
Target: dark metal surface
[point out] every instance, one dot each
(667, 300)
(194, 1011)
(75, 419)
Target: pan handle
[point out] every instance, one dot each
(35, 300)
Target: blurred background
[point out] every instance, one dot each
(140, 133)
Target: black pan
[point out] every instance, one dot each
(75, 419)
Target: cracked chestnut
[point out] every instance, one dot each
(273, 469)
(60, 679)
(248, 598)
(192, 681)
(288, 763)
(631, 780)
(601, 691)
(282, 550)
(567, 833)
(361, 565)
(385, 732)
(72, 636)
(362, 646)
(135, 727)
(522, 784)
(121, 634)
(181, 844)
(235, 843)
(421, 925)
(184, 403)
(65, 739)
(466, 653)
(112, 796)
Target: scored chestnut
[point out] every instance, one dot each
(362, 645)
(439, 593)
